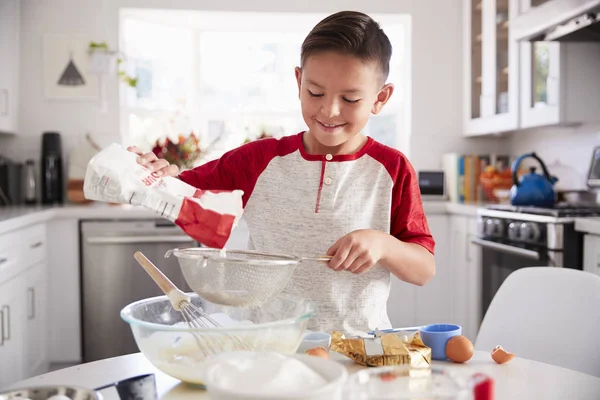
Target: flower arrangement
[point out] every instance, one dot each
(263, 135)
(184, 153)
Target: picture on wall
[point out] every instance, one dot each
(67, 68)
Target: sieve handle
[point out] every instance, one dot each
(324, 259)
(156, 274)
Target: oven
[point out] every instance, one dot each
(517, 237)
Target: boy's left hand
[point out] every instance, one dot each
(356, 252)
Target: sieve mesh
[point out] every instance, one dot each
(236, 277)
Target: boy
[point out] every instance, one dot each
(330, 189)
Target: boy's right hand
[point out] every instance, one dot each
(153, 163)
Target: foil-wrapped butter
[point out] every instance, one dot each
(383, 349)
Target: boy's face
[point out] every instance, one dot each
(338, 93)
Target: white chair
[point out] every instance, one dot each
(546, 314)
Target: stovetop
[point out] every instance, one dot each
(558, 211)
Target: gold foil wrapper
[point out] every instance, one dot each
(396, 348)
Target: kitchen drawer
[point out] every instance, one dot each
(20, 249)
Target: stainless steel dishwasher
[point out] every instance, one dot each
(111, 278)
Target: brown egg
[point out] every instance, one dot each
(501, 356)
(459, 349)
(318, 352)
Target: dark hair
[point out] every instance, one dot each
(352, 33)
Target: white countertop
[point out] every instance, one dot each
(588, 225)
(519, 379)
(12, 218)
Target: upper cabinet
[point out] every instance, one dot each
(491, 70)
(560, 84)
(9, 65)
(512, 85)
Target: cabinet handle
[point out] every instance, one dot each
(3, 260)
(36, 245)
(467, 255)
(1, 328)
(7, 337)
(31, 292)
(5, 94)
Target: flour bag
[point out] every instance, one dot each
(114, 176)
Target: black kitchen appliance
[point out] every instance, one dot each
(11, 182)
(514, 237)
(52, 168)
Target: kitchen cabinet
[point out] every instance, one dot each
(23, 301)
(35, 352)
(454, 294)
(12, 313)
(559, 82)
(9, 67)
(491, 67)
(591, 254)
(64, 292)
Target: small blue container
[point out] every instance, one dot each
(436, 336)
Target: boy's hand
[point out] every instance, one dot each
(356, 252)
(153, 163)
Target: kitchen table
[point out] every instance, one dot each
(519, 379)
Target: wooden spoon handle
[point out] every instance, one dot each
(157, 276)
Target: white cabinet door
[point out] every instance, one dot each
(557, 81)
(472, 319)
(465, 263)
(64, 292)
(11, 331)
(591, 254)
(36, 327)
(436, 301)
(491, 67)
(410, 305)
(9, 64)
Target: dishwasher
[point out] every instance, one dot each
(111, 278)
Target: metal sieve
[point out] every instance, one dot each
(237, 277)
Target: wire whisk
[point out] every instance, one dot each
(195, 317)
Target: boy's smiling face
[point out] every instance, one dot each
(338, 93)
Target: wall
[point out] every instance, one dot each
(436, 69)
(571, 147)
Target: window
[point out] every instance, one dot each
(229, 77)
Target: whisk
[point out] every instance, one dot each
(194, 316)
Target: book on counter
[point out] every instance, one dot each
(463, 172)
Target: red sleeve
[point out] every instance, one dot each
(408, 223)
(237, 169)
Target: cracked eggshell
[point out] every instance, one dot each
(501, 356)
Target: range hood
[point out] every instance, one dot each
(559, 20)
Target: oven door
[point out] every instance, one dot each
(499, 260)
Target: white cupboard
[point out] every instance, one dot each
(591, 254)
(23, 304)
(454, 294)
(491, 67)
(9, 64)
(559, 82)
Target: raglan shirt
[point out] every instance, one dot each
(300, 204)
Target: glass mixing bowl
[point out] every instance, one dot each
(183, 352)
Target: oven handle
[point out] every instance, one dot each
(532, 254)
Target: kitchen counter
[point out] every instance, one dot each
(12, 218)
(588, 225)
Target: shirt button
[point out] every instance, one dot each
(328, 181)
(329, 157)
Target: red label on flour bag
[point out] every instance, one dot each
(113, 175)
